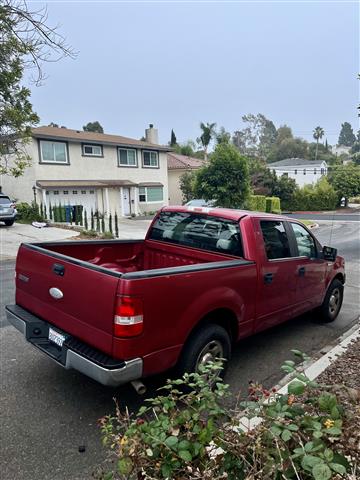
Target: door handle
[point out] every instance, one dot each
(268, 278)
(301, 272)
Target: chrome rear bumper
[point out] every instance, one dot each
(121, 372)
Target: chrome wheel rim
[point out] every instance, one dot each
(334, 301)
(211, 352)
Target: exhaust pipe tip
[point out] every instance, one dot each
(139, 387)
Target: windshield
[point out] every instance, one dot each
(198, 231)
(5, 200)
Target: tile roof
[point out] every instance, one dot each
(292, 162)
(92, 137)
(177, 161)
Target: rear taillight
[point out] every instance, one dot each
(128, 318)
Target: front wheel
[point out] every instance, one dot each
(8, 223)
(331, 305)
(208, 344)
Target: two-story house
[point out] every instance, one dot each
(101, 172)
(304, 172)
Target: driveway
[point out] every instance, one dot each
(12, 237)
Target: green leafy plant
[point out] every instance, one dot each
(27, 213)
(186, 432)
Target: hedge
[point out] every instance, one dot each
(257, 203)
(273, 205)
(260, 203)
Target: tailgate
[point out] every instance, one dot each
(86, 308)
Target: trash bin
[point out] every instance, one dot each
(68, 213)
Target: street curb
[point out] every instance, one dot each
(312, 369)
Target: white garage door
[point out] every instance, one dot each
(73, 196)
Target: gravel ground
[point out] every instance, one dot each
(346, 371)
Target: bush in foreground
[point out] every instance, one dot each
(186, 432)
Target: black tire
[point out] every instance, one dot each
(8, 223)
(210, 335)
(331, 305)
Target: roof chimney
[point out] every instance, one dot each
(151, 135)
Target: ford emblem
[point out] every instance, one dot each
(56, 293)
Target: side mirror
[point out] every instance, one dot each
(329, 253)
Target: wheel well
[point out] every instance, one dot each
(340, 277)
(224, 317)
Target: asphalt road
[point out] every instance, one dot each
(337, 217)
(48, 412)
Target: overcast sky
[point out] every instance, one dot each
(175, 64)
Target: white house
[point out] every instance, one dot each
(177, 166)
(304, 172)
(103, 172)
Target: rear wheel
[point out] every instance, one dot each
(208, 344)
(331, 306)
(8, 223)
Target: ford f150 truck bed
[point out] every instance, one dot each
(202, 279)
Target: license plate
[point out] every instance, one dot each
(56, 337)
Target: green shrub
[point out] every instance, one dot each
(273, 205)
(257, 203)
(354, 200)
(187, 432)
(27, 213)
(321, 196)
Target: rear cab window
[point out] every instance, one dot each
(198, 231)
(276, 240)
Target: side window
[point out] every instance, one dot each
(275, 239)
(304, 241)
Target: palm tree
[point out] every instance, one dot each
(208, 132)
(318, 133)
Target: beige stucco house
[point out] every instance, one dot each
(177, 166)
(101, 172)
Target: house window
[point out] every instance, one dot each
(56, 192)
(295, 171)
(53, 152)
(83, 192)
(47, 192)
(150, 159)
(91, 192)
(66, 192)
(314, 171)
(322, 171)
(92, 150)
(127, 157)
(74, 192)
(304, 171)
(286, 174)
(150, 194)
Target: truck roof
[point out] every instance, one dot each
(229, 213)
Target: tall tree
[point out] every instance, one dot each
(222, 136)
(346, 136)
(173, 141)
(284, 132)
(208, 132)
(225, 179)
(93, 127)
(346, 180)
(318, 133)
(26, 42)
(256, 137)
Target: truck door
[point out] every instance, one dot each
(276, 274)
(311, 270)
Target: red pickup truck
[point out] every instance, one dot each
(202, 279)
